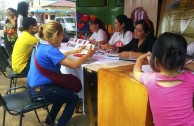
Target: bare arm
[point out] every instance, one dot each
(190, 66)
(4, 29)
(71, 52)
(137, 70)
(74, 51)
(77, 63)
(126, 54)
(97, 42)
(107, 46)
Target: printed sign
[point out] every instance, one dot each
(76, 43)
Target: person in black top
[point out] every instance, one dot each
(141, 43)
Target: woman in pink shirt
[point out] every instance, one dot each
(170, 90)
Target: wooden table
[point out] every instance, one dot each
(84, 72)
(91, 89)
(122, 101)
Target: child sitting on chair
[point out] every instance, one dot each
(170, 89)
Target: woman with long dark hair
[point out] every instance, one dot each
(9, 30)
(123, 34)
(22, 12)
(100, 34)
(141, 43)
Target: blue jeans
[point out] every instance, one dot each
(57, 96)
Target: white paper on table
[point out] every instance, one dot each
(76, 43)
(111, 57)
(89, 45)
(112, 54)
(72, 45)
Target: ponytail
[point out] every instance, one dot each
(104, 29)
(50, 30)
(129, 26)
(170, 50)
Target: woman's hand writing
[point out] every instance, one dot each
(104, 47)
(92, 42)
(125, 54)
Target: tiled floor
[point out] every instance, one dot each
(30, 118)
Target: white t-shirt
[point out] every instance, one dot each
(19, 24)
(118, 40)
(99, 36)
(190, 49)
(34, 17)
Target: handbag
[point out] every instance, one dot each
(66, 81)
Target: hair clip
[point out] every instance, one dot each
(93, 19)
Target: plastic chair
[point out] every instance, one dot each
(3, 49)
(18, 103)
(8, 46)
(4, 65)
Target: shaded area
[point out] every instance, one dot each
(30, 119)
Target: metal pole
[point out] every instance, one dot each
(75, 9)
(107, 17)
